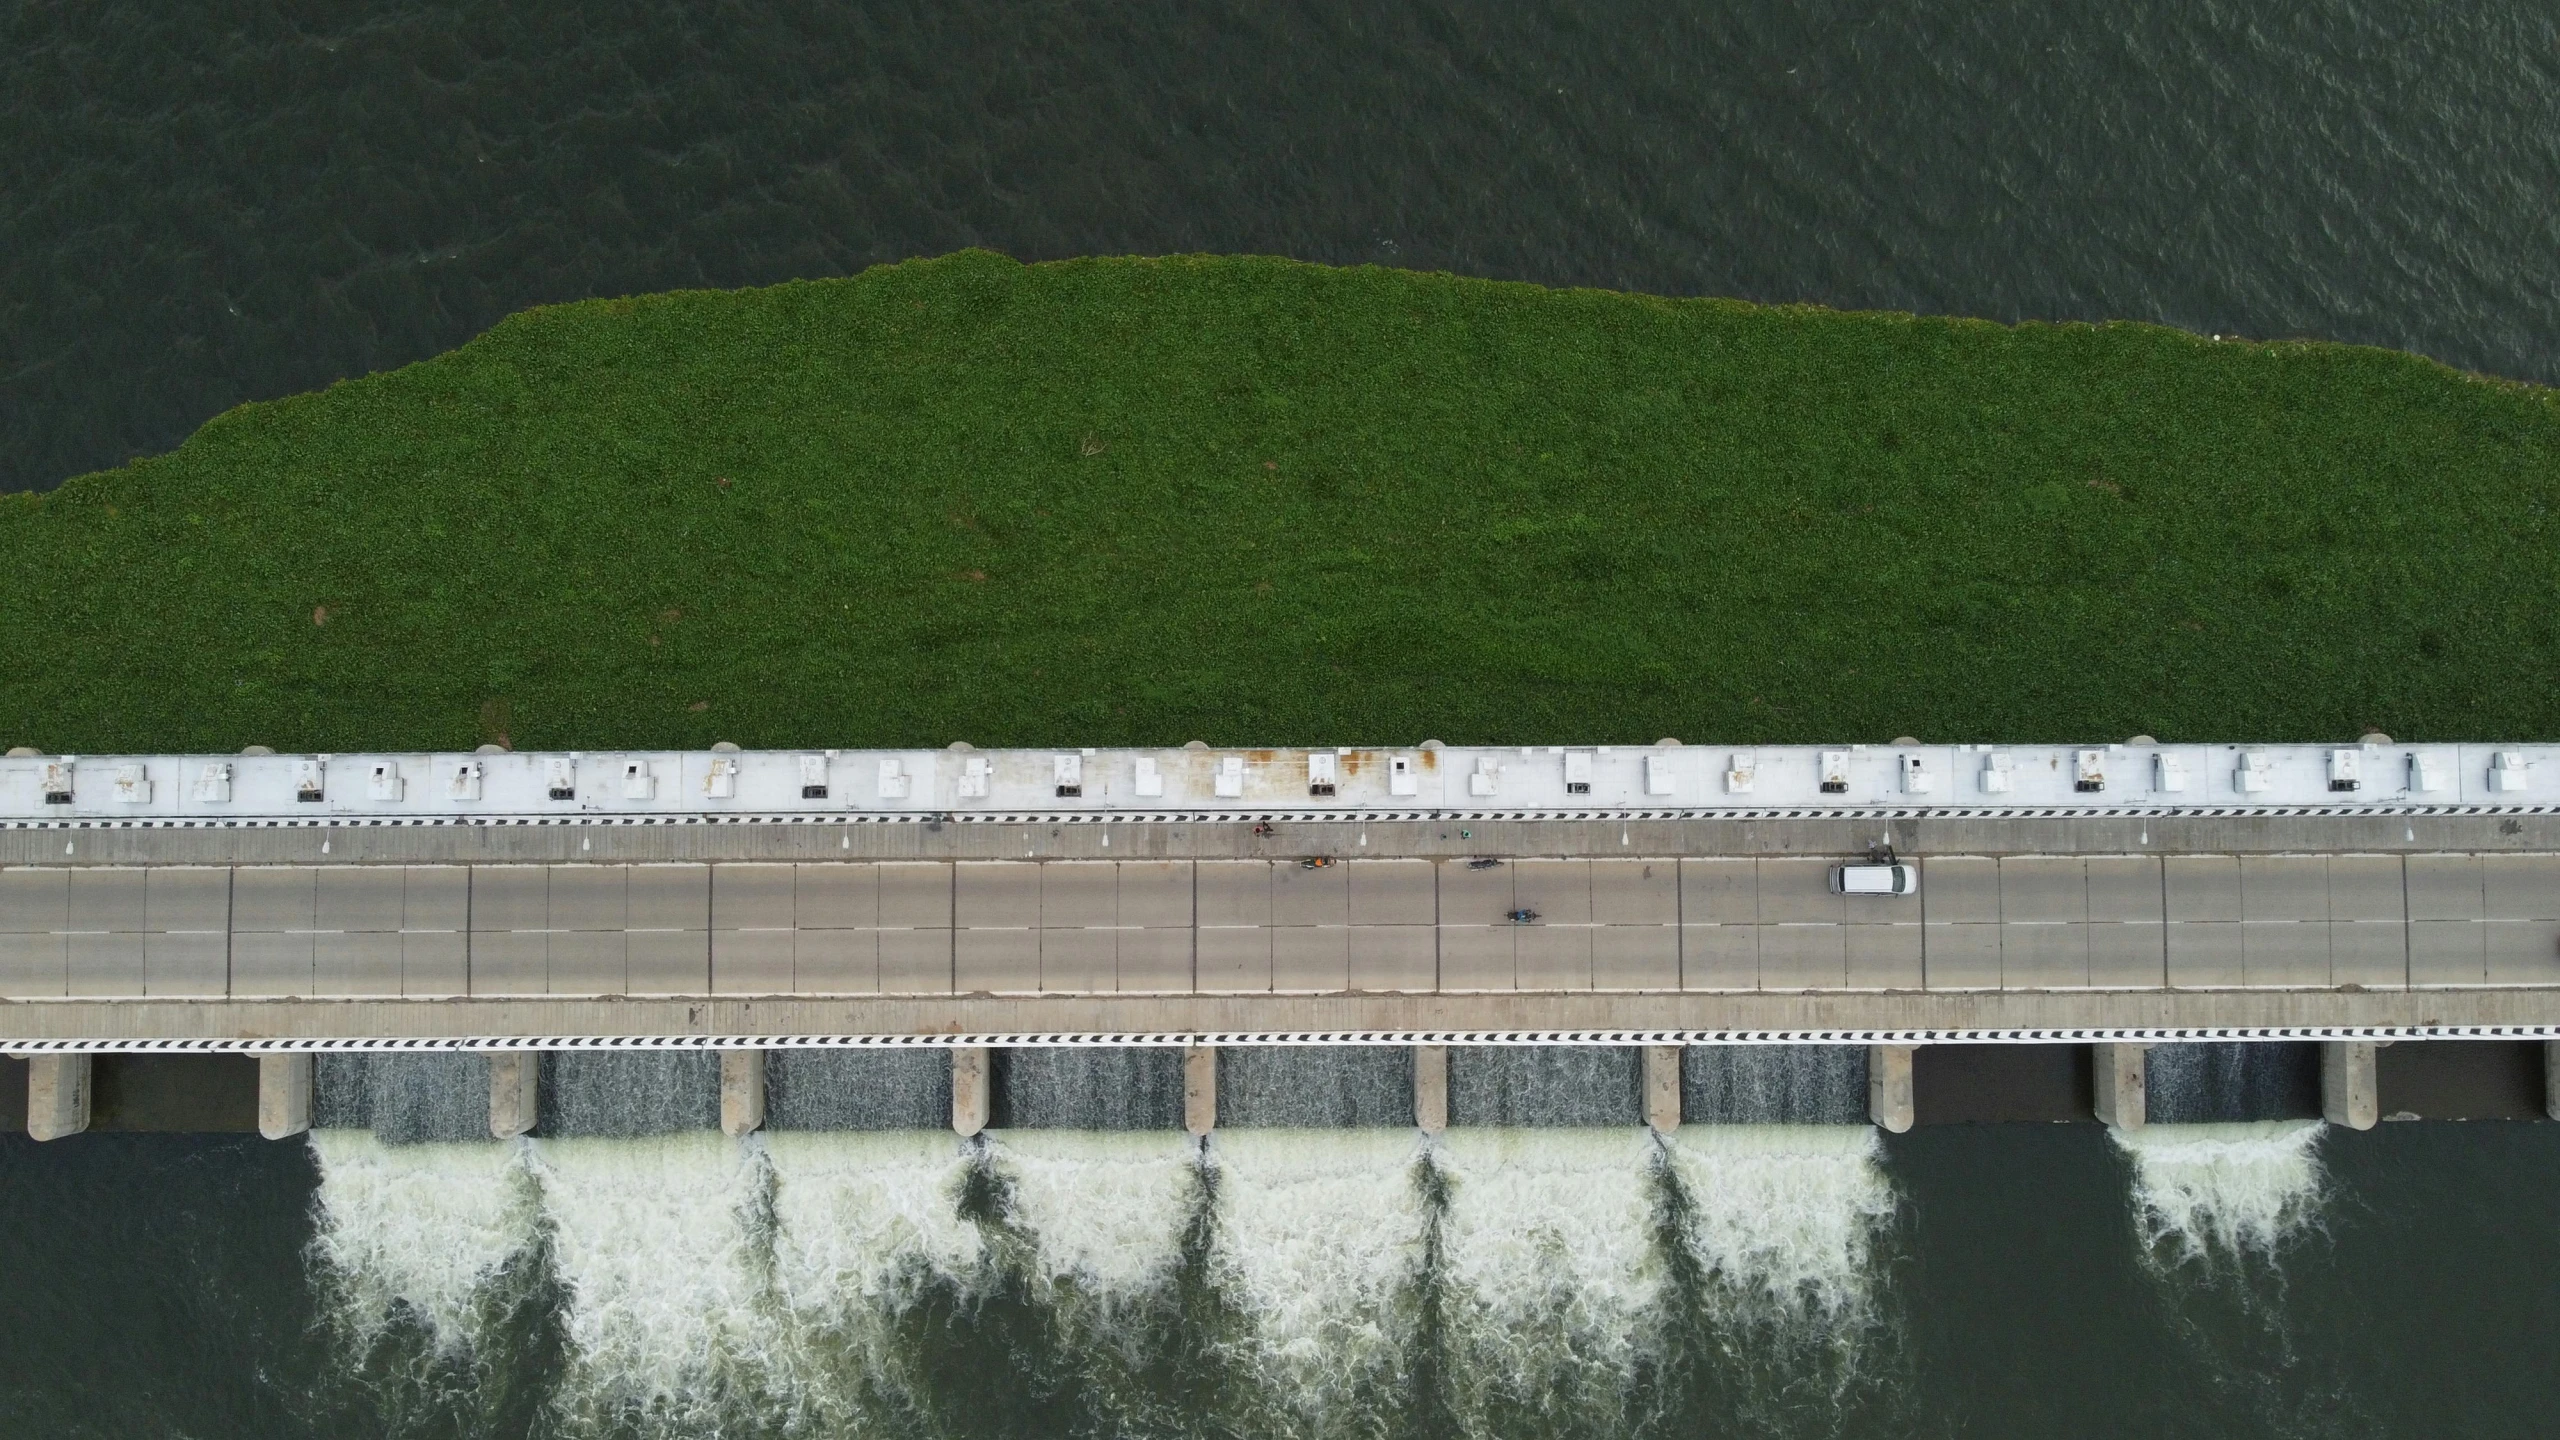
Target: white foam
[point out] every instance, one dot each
(858, 1213)
(1550, 1229)
(651, 1239)
(420, 1225)
(1317, 1230)
(1785, 1217)
(2207, 1189)
(1106, 1207)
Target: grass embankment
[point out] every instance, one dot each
(1251, 501)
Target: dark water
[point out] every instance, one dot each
(207, 204)
(159, 1286)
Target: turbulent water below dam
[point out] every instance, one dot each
(637, 1273)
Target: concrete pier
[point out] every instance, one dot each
(2120, 1081)
(741, 1091)
(57, 1096)
(2349, 1096)
(284, 1095)
(1889, 1102)
(2551, 1078)
(972, 1088)
(1431, 1088)
(1662, 1088)
(1200, 1089)
(515, 1093)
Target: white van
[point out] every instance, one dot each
(1892, 878)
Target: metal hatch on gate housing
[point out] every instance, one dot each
(2089, 771)
(1835, 772)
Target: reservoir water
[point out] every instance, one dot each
(208, 205)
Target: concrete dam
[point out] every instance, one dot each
(1632, 934)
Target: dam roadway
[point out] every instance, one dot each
(1657, 897)
(2157, 924)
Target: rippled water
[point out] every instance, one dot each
(213, 204)
(2017, 1280)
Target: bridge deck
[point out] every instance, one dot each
(1234, 927)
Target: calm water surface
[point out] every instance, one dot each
(212, 203)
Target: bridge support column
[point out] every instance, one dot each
(2349, 1095)
(1200, 1088)
(2551, 1078)
(515, 1092)
(741, 1091)
(2123, 1097)
(1662, 1088)
(57, 1096)
(284, 1095)
(1889, 1102)
(1431, 1088)
(972, 1088)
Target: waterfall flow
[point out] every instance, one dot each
(693, 1273)
(1504, 1086)
(1774, 1084)
(857, 1089)
(2207, 1191)
(2221, 1082)
(1315, 1087)
(403, 1099)
(629, 1092)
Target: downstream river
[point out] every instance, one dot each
(2014, 1280)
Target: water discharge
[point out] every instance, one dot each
(1499, 1278)
(2203, 1191)
(1547, 1264)
(858, 1218)
(653, 1241)
(420, 1227)
(1782, 1219)
(1318, 1233)
(1105, 1208)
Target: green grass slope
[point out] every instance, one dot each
(1142, 501)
